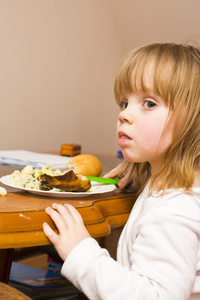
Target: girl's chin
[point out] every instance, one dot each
(127, 156)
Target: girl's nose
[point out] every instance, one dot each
(125, 116)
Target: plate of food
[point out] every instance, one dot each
(62, 184)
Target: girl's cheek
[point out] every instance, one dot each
(151, 134)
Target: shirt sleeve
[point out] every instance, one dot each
(163, 257)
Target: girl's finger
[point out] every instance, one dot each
(67, 215)
(51, 235)
(122, 183)
(74, 213)
(126, 181)
(57, 219)
(114, 172)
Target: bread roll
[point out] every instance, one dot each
(85, 164)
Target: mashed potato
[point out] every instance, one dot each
(3, 191)
(27, 178)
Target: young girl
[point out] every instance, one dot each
(158, 90)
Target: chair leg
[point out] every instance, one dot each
(6, 256)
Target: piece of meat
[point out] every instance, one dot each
(69, 182)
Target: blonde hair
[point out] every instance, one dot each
(176, 79)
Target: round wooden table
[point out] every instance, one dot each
(22, 215)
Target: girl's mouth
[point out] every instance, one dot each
(123, 138)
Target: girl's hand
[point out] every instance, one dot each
(70, 226)
(124, 171)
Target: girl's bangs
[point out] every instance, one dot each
(132, 78)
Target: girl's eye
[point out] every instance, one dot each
(149, 104)
(123, 105)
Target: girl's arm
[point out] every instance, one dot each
(162, 266)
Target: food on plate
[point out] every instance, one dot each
(69, 182)
(85, 164)
(28, 177)
(48, 179)
(3, 191)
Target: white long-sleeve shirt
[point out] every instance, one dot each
(158, 255)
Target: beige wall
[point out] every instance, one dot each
(56, 74)
(57, 59)
(142, 22)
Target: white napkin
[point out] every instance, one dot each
(22, 158)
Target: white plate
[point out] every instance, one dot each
(96, 188)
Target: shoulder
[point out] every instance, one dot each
(183, 203)
(175, 202)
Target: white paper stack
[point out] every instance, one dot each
(22, 158)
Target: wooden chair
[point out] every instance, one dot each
(8, 292)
